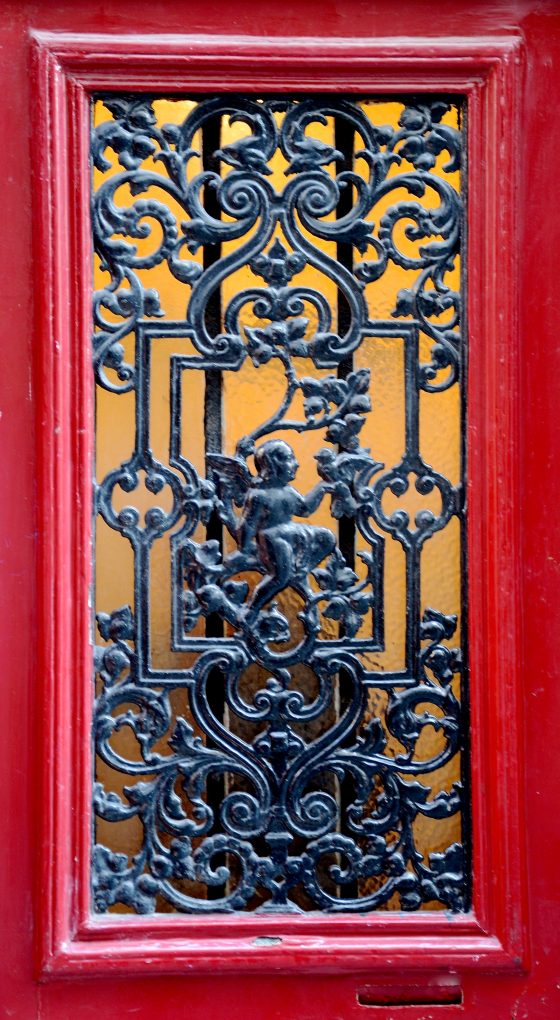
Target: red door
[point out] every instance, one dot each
(496, 954)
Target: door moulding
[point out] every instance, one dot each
(67, 70)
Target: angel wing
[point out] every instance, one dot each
(230, 475)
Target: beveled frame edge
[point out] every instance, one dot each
(66, 70)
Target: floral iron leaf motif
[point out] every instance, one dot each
(346, 601)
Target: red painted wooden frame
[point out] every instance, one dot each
(67, 70)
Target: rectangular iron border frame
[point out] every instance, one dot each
(67, 69)
(165, 330)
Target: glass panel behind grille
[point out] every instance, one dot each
(279, 504)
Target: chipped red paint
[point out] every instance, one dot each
(500, 56)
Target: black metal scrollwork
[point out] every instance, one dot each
(282, 835)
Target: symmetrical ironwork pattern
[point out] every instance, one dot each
(263, 793)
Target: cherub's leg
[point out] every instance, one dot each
(238, 561)
(319, 543)
(279, 557)
(322, 543)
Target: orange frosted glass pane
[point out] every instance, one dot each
(197, 407)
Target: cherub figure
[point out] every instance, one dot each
(266, 534)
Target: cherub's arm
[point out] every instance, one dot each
(313, 498)
(249, 521)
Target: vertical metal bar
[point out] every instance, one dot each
(344, 142)
(213, 392)
(213, 424)
(142, 551)
(413, 551)
(344, 137)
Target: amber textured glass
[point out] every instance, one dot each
(280, 470)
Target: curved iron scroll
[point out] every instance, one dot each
(319, 807)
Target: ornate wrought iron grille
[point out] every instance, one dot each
(274, 746)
